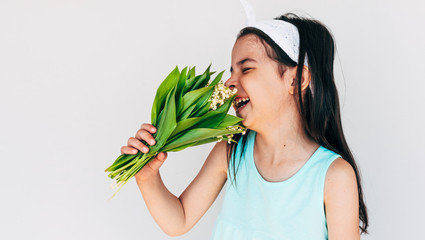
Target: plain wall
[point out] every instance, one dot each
(78, 78)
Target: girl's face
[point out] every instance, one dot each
(263, 93)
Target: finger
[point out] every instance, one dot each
(162, 156)
(135, 143)
(157, 162)
(148, 127)
(145, 136)
(128, 150)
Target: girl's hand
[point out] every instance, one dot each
(134, 145)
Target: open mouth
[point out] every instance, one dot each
(239, 103)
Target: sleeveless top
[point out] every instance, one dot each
(261, 210)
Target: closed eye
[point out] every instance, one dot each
(245, 69)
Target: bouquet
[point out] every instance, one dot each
(188, 110)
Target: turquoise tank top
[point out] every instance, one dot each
(261, 210)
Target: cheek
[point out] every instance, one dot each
(266, 92)
(270, 100)
(261, 100)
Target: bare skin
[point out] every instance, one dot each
(281, 148)
(176, 216)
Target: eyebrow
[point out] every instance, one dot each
(242, 62)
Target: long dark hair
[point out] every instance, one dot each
(320, 114)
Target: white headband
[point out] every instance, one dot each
(283, 33)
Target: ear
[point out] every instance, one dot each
(305, 80)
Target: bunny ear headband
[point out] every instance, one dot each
(283, 33)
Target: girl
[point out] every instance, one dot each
(292, 174)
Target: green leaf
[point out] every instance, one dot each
(205, 141)
(223, 108)
(158, 119)
(192, 97)
(130, 172)
(201, 110)
(195, 135)
(166, 86)
(217, 79)
(179, 89)
(167, 123)
(122, 169)
(184, 125)
(203, 80)
(186, 113)
(204, 99)
(182, 147)
(120, 161)
(189, 83)
(210, 120)
(229, 120)
(191, 73)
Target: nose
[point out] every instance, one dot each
(230, 83)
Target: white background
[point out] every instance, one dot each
(77, 79)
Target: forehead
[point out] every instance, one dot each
(248, 46)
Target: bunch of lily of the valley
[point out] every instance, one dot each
(188, 110)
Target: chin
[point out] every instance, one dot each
(246, 123)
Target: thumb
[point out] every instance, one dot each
(157, 162)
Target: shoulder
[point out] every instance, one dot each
(340, 170)
(340, 184)
(340, 178)
(341, 200)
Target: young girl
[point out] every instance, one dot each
(292, 174)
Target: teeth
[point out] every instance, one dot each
(240, 100)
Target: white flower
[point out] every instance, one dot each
(229, 137)
(220, 95)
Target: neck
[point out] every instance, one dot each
(283, 140)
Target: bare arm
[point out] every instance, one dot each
(165, 208)
(341, 201)
(176, 216)
(204, 189)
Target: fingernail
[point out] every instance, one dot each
(152, 142)
(145, 149)
(134, 151)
